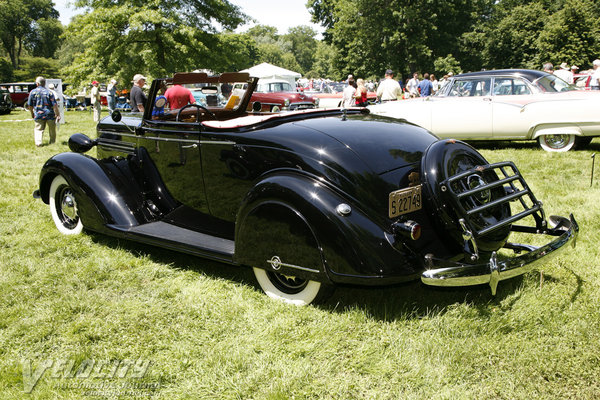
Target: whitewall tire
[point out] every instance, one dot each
(289, 289)
(557, 143)
(63, 207)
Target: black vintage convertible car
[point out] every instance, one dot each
(310, 199)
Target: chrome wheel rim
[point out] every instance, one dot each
(286, 283)
(557, 141)
(67, 208)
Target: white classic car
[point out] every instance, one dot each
(505, 105)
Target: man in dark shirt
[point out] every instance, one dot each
(137, 98)
(425, 86)
(44, 111)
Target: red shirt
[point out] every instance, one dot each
(178, 96)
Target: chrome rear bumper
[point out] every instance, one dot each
(444, 273)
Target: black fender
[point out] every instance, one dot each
(102, 196)
(350, 246)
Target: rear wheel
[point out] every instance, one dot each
(291, 289)
(63, 207)
(557, 143)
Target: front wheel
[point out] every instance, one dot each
(557, 143)
(291, 289)
(63, 207)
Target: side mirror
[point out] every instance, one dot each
(116, 116)
(256, 106)
(80, 143)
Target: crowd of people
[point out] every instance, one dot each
(45, 103)
(568, 74)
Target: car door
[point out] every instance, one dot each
(510, 95)
(466, 110)
(175, 149)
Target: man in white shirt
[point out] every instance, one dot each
(413, 85)
(564, 73)
(388, 89)
(595, 82)
(348, 94)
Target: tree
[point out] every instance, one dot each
(153, 37)
(444, 65)
(19, 25)
(6, 70)
(571, 34)
(406, 35)
(44, 39)
(303, 46)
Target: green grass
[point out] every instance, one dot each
(209, 332)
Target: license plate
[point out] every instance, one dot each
(404, 201)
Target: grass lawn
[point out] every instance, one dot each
(94, 317)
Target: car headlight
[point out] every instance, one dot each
(286, 103)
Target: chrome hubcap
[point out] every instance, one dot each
(557, 141)
(68, 208)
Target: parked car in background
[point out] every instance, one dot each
(331, 95)
(5, 101)
(19, 92)
(583, 80)
(505, 105)
(278, 95)
(309, 199)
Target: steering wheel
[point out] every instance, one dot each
(198, 106)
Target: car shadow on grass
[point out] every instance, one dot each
(415, 300)
(410, 300)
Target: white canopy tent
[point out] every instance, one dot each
(269, 72)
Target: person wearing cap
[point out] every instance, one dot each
(111, 95)
(595, 81)
(137, 98)
(389, 88)
(564, 73)
(44, 111)
(95, 100)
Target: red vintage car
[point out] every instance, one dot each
(19, 91)
(279, 95)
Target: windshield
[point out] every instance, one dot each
(274, 87)
(552, 83)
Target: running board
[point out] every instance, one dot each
(176, 238)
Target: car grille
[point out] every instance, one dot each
(301, 106)
(471, 194)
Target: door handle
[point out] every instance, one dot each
(191, 146)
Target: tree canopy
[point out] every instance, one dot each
(119, 38)
(30, 24)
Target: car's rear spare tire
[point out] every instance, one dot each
(451, 170)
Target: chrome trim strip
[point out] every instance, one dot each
(497, 270)
(276, 264)
(225, 142)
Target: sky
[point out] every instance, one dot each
(278, 13)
